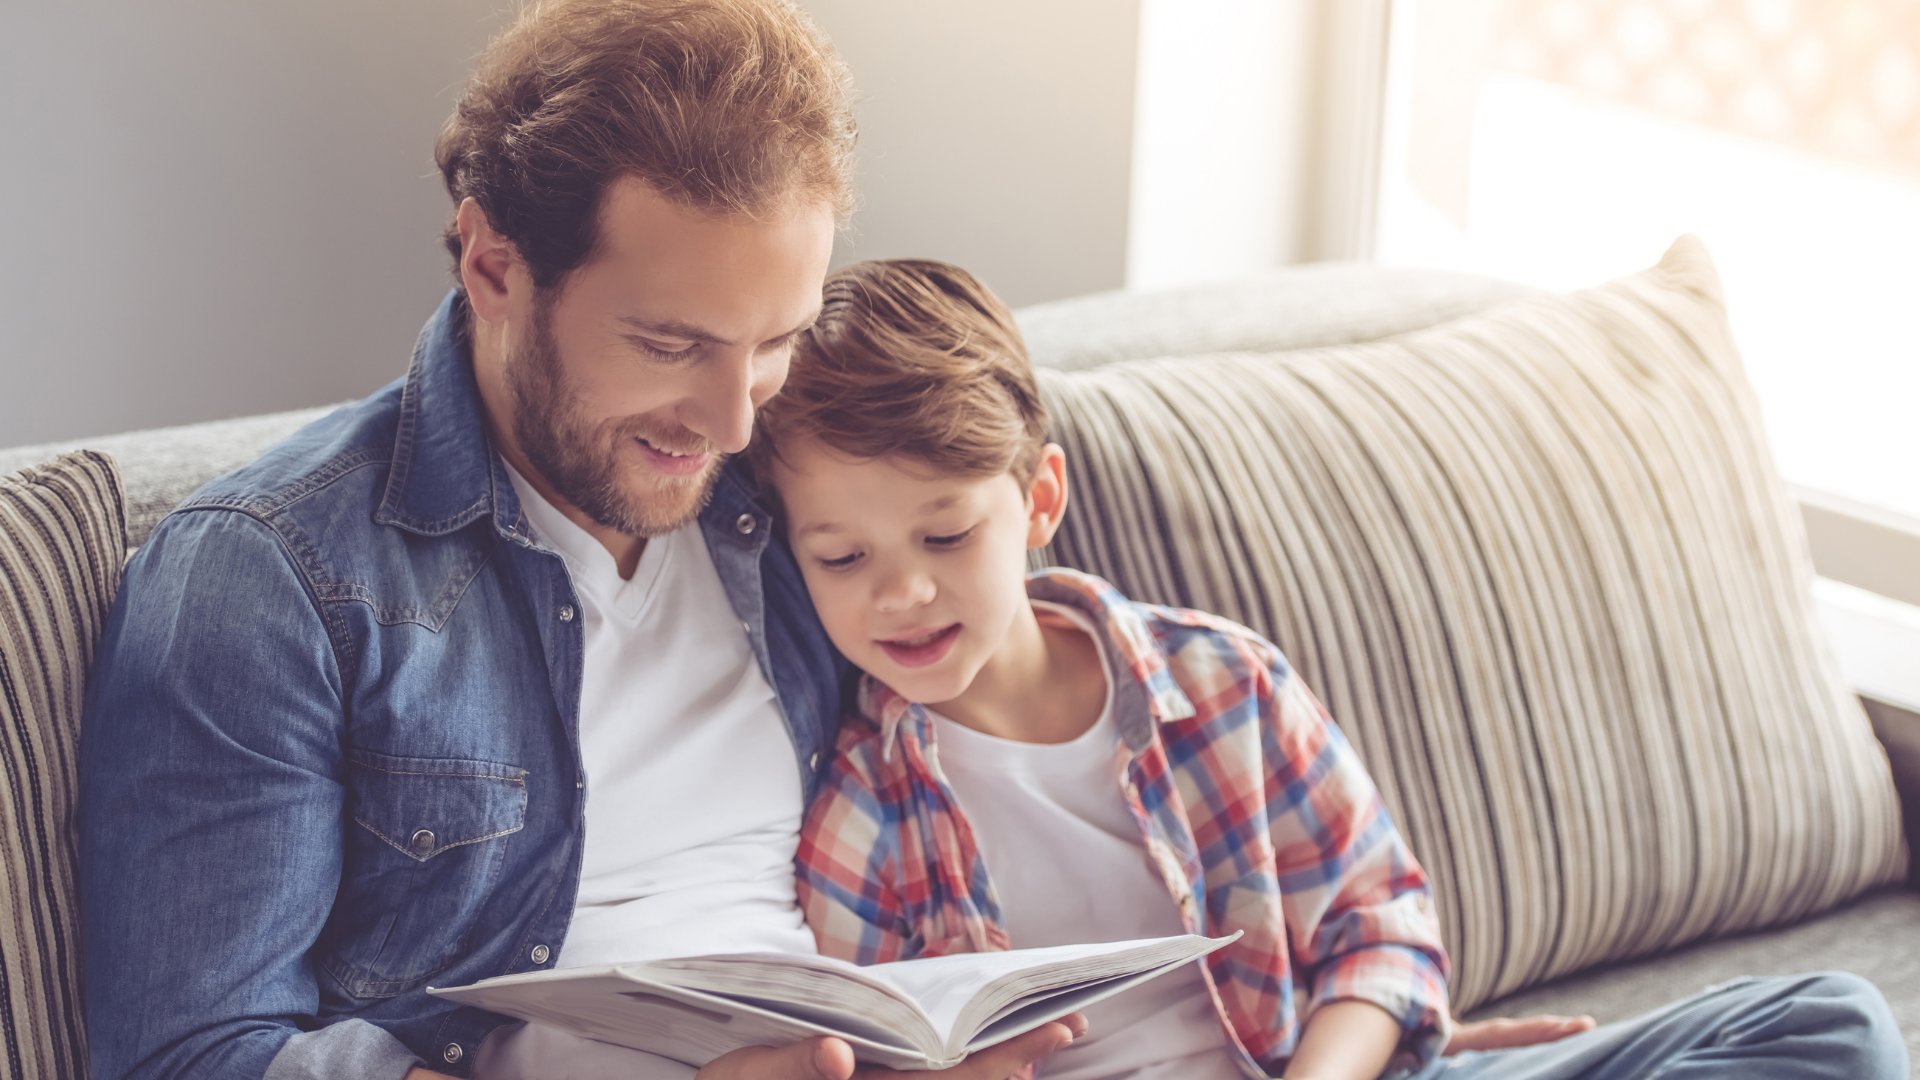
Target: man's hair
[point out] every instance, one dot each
(735, 107)
(910, 359)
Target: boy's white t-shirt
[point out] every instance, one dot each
(693, 792)
(1067, 865)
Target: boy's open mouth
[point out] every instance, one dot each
(921, 649)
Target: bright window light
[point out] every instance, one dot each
(1566, 143)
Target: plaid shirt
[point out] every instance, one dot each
(1253, 807)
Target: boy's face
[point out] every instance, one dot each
(917, 578)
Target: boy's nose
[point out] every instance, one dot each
(903, 589)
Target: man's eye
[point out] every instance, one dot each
(950, 540)
(661, 353)
(842, 562)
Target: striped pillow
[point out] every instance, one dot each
(63, 536)
(1538, 563)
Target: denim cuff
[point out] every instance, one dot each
(348, 1050)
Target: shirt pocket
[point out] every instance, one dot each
(426, 839)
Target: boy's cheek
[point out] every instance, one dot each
(842, 625)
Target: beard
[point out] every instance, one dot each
(581, 458)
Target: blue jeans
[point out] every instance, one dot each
(1828, 1025)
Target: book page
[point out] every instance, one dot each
(1029, 1013)
(818, 988)
(960, 993)
(693, 1009)
(614, 1006)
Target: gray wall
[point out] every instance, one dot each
(213, 208)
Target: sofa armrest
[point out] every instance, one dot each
(1899, 731)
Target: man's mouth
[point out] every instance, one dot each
(671, 462)
(919, 650)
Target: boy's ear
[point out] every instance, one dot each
(1047, 496)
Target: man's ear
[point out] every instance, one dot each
(489, 265)
(1047, 496)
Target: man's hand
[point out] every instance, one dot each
(832, 1059)
(1506, 1033)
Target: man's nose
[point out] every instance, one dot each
(724, 405)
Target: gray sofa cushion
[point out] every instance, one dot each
(162, 467)
(1297, 307)
(1876, 937)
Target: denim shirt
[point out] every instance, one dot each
(330, 754)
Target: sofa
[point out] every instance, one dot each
(1529, 549)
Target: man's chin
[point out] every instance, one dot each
(658, 504)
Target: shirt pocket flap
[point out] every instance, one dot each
(424, 806)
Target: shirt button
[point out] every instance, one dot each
(453, 1053)
(540, 954)
(813, 762)
(566, 612)
(745, 523)
(422, 841)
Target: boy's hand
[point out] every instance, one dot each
(832, 1059)
(1508, 1032)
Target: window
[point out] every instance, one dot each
(1566, 142)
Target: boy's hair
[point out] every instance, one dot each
(727, 106)
(913, 359)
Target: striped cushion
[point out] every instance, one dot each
(1538, 563)
(63, 536)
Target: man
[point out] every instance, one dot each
(499, 669)
(502, 668)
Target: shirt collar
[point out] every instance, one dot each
(1145, 694)
(442, 477)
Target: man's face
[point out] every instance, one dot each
(635, 378)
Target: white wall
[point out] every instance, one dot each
(1256, 136)
(1219, 182)
(996, 134)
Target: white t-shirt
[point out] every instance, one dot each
(693, 791)
(1067, 865)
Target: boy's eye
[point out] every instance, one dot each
(951, 539)
(842, 562)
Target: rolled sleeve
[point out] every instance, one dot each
(1359, 908)
(350, 1048)
(1402, 980)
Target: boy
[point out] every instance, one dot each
(1038, 760)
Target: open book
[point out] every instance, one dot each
(914, 1014)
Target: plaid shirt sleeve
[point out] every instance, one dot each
(845, 867)
(1358, 908)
